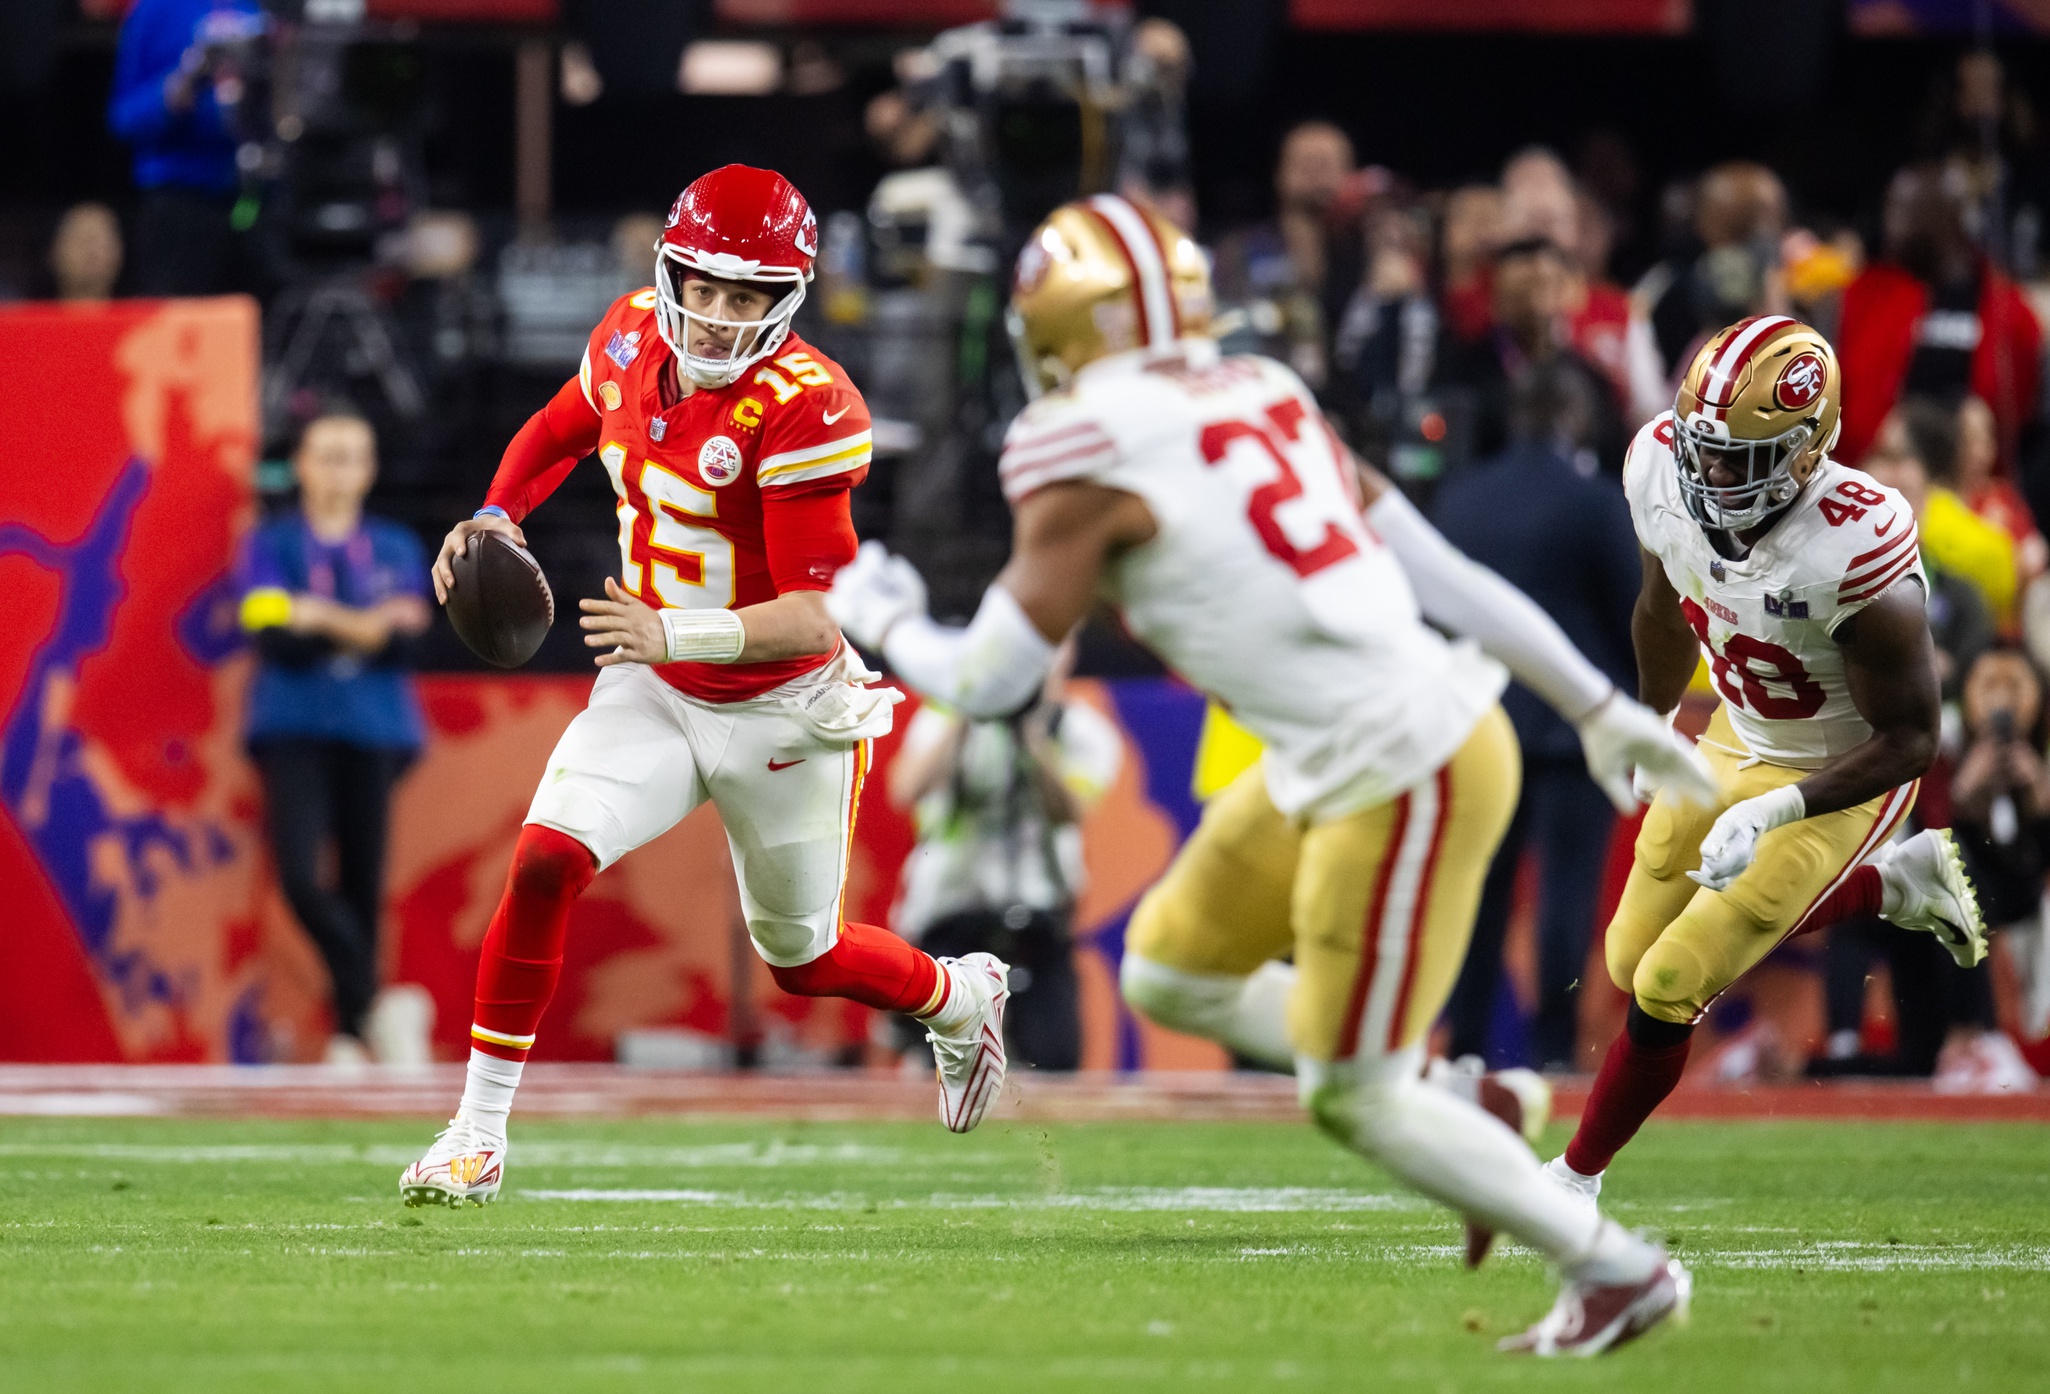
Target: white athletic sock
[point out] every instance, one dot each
(1893, 889)
(1615, 1256)
(488, 1090)
(958, 1008)
(1454, 1152)
(1247, 1015)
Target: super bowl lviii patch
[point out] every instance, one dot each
(623, 348)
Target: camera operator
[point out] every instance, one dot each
(2000, 816)
(178, 84)
(998, 864)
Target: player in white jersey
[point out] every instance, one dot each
(1209, 501)
(1802, 581)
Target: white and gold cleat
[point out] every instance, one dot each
(970, 1058)
(1925, 881)
(464, 1167)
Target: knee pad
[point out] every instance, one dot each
(1198, 1004)
(550, 865)
(1671, 983)
(1355, 1101)
(784, 941)
(792, 879)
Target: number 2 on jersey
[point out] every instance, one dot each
(690, 567)
(1282, 427)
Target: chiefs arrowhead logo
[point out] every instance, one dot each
(1801, 382)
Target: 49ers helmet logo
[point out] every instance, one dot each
(719, 461)
(1800, 382)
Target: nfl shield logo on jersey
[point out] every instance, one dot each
(719, 461)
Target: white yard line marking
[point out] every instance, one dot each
(555, 1154)
(1209, 1199)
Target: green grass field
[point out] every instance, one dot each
(223, 1257)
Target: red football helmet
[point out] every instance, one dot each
(737, 223)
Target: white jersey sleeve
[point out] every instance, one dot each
(1769, 621)
(1262, 585)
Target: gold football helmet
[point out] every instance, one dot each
(1103, 275)
(1763, 399)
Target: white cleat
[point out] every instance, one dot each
(465, 1166)
(1590, 1318)
(1588, 1188)
(970, 1059)
(1925, 878)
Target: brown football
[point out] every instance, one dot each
(500, 604)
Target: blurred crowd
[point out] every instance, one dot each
(1472, 343)
(1476, 342)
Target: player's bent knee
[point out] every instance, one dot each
(784, 942)
(792, 880)
(549, 864)
(1198, 1004)
(1621, 954)
(1671, 983)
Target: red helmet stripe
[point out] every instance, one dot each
(1736, 352)
(1160, 325)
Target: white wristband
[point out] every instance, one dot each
(703, 636)
(1782, 806)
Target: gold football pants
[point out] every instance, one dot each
(1674, 945)
(1377, 906)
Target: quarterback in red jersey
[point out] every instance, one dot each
(732, 446)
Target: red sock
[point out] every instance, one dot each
(1633, 1081)
(873, 967)
(523, 947)
(1858, 898)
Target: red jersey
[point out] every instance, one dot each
(719, 491)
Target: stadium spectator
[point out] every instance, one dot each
(1935, 318)
(1293, 275)
(1541, 199)
(332, 600)
(1727, 268)
(1565, 539)
(998, 865)
(85, 253)
(173, 94)
(1531, 278)
(1919, 442)
(1999, 812)
(1992, 495)
(1960, 621)
(1467, 240)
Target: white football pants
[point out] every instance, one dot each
(643, 755)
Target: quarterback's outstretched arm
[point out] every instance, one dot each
(1459, 594)
(1062, 537)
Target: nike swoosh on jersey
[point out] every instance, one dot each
(786, 764)
(832, 416)
(1891, 519)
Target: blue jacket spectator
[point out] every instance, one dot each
(332, 600)
(310, 687)
(173, 62)
(1565, 540)
(1543, 517)
(193, 147)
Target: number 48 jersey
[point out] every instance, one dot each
(1767, 621)
(1262, 585)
